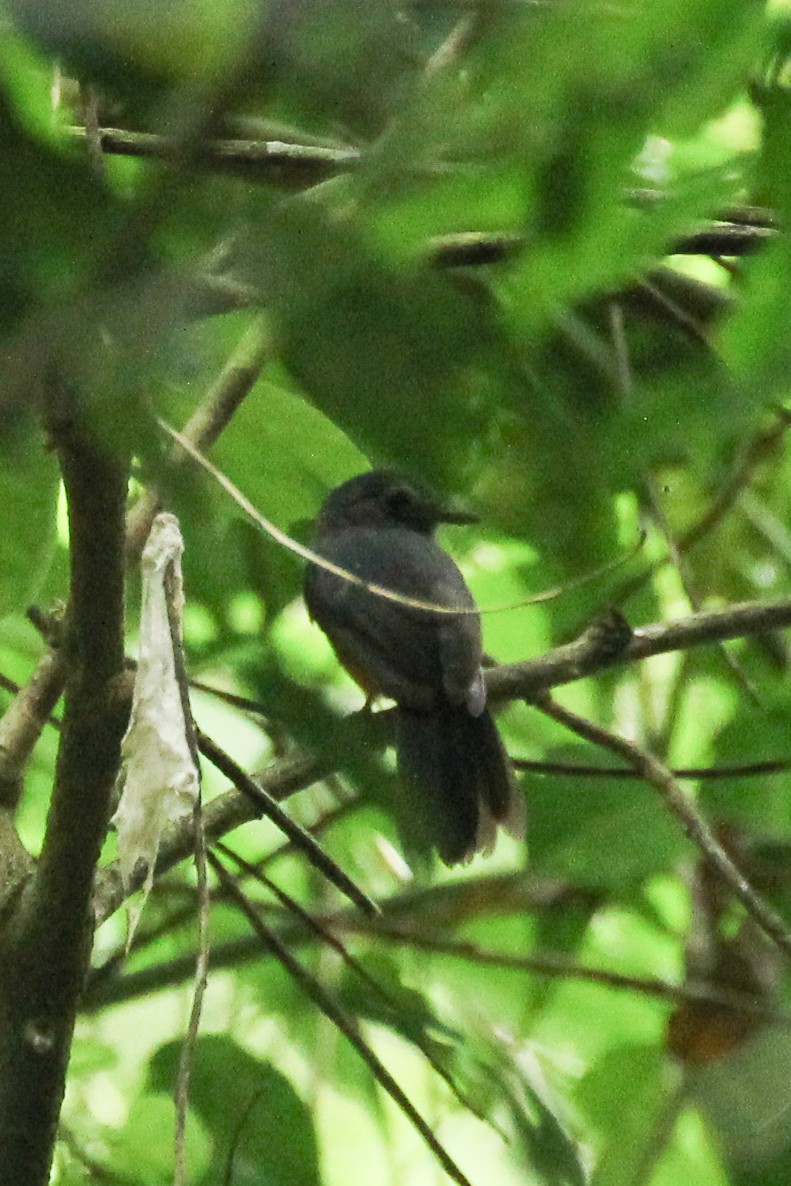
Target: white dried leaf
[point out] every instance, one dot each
(158, 773)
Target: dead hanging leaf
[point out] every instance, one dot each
(159, 773)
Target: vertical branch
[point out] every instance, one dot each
(47, 945)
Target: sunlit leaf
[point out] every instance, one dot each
(28, 495)
(257, 1122)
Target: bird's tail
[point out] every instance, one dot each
(457, 781)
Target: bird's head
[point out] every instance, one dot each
(381, 498)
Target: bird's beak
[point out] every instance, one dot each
(456, 515)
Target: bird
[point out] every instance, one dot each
(456, 777)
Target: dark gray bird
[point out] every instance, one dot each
(457, 778)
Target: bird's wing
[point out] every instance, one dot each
(413, 656)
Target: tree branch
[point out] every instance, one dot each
(215, 411)
(345, 1024)
(290, 166)
(597, 650)
(656, 774)
(414, 933)
(47, 943)
(736, 231)
(24, 719)
(228, 811)
(585, 656)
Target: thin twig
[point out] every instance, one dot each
(561, 968)
(214, 412)
(89, 105)
(234, 699)
(621, 348)
(683, 773)
(329, 817)
(321, 929)
(660, 778)
(699, 300)
(279, 162)
(455, 44)
(660, 1135)
(678, 560)
(174, 606)
(98, 1172)
(749, 457)
(332, 1010)
(388, 594)
(236, 1134)
(677, 314)
(768, 525)
(187, 1055)
(756, 450)
(298, 835)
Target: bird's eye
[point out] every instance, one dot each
(399, 500)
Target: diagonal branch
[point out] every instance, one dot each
(266, 805)
(656, 774)
(215, 411)
(222, 815)
(23, 721)
(344, 1023)
(679, 562)
(325, 934)
(585, 657)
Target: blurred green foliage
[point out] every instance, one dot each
(487, 282)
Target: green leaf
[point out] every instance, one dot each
(143, 1148)
(553, 1156)
(284, 455)
(28, 496)
(257, 1121)
(600, 833)
(46, 232)
(745, 1099)
(401, 1007)
(760, 805)
(625, 1096)
(389, 354)
(191, 40)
